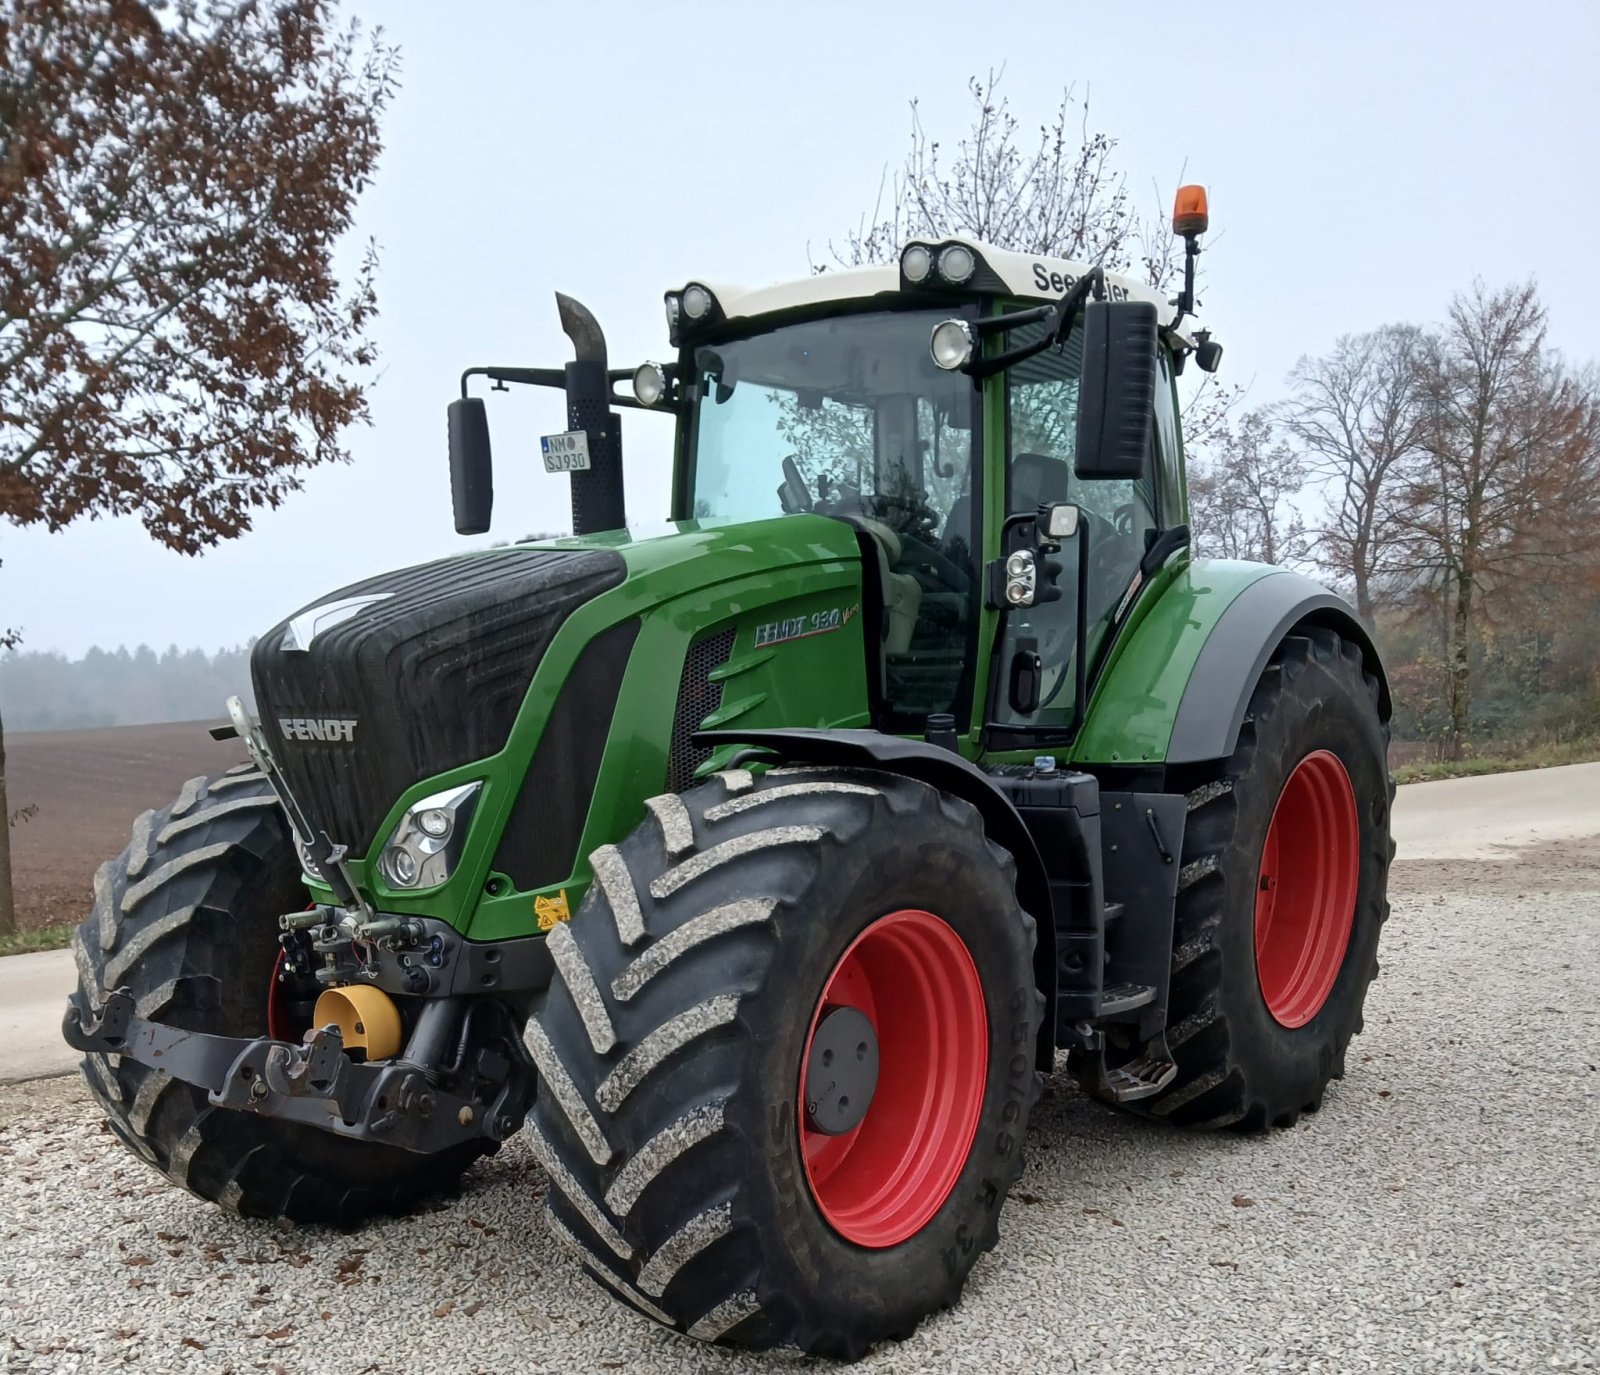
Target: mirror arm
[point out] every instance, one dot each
(531, 377)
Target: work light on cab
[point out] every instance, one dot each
(951, 344)
(957, 263)
(916, 262)
(649, 384)
(697, 301)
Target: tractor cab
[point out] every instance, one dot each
(936, 406)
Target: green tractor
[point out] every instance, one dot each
(760, 870)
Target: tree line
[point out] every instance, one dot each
(45, 690)
(1447, 478)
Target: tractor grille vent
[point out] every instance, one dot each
(698, 697)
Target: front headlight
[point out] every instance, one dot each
(427, 843)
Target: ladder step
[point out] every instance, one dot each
(1114, 910)
(1124, 998)
(1140, 1078)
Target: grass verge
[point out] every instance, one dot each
(56, 937)
(1545, 756)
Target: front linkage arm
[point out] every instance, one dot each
(393, 1103)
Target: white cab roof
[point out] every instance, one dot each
(1025, 276)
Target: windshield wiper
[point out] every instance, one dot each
(1061, 317)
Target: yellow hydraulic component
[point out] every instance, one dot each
(366, 1017)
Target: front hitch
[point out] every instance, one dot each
(393, 1103)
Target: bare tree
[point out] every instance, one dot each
(1358, 417)
(1241, 499)
(1509, 495)
(1058, 195)
(175, 339)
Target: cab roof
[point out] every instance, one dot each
(997, 271)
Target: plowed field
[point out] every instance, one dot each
(87, 786)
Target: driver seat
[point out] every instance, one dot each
(902, 594)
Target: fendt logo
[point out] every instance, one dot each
(317, 728)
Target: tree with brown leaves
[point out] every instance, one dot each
(1507, 503)
(176, 342)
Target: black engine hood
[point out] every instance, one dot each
(408, 674)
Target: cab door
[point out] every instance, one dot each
(1120, 520)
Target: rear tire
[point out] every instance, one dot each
(671, 1041)
(1258, 1031)
(187, 919)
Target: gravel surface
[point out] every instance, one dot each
(1442, 1213)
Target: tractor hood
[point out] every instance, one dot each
(411, 673)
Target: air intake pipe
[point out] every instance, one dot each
(597, 498)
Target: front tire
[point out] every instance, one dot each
(187, 919)
(686, 1167)
(1281, 897)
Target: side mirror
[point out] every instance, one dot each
(471, 466)
(1116, 395)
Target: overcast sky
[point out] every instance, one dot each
(1364, 160)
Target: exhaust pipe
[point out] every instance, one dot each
(597, 497)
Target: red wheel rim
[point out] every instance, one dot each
(1306, 889)
(912, 977)
(278, 1016)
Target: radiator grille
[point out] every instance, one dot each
(698, 697)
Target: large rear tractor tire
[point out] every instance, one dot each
(787, 1058)
(1281, 897)
(187, 919)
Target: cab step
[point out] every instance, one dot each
(1147, 1073)
(1119, 998)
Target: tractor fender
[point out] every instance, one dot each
(949, 772)
(1246, 635)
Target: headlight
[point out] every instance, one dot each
(674, 309)
(697, 301)
(951, 344)
(1021, 578)
(649, 384)
(427, 843)
(916, 262)
(957, 263)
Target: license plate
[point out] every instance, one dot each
(565, 453)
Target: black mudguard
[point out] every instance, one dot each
(949, 772)
(1245, 637)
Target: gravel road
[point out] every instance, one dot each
(1442, 1212)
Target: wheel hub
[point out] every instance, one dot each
(841, 1071)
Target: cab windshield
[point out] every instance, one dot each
(848, 417)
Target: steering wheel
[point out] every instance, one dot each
(917, 553)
